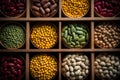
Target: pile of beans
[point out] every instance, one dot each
(44, 8)
(107, 8)
(75, 35)
(43, 67)
(75, 8)
(107, 35)
(75, 66)
(12, 8)
(11, 68)
(107, 66)
(12, 35)
(44, 36)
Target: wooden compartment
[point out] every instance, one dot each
(28, 50)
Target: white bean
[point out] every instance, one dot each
(102, 63)
(72, 74)
(72, 78)
(77, 67)
(64, 63)
(83, 74)
(74, 64)
(80, 77)
(68, 62)
(73, 60)
(65, 59)
(71, 69)
(68, 74)
(87, 71)
(117, 63)
(66, 67)
(78, 63)
(106, 71)
(82, 65)
(77, 58)
(77, 72)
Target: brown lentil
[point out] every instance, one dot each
(43, 67)
(75, 8)
(44, 36)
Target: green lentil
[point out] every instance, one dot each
(12, 36)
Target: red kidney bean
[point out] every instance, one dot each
(97, 3)
(42, 11)
(14, 72)
(20, 11)
(35, 8)
(19, 72)
(19, 61)
(110, 14)
(103, 13)
(96, 9)
(47, 5)
(103, 4)
(110, 5)
(106, 4)
(109, 11)
(11, 64)
(53, 6)
(21, 8)
(99, 8)
(104, 10)
(19, 66)
(20, 5)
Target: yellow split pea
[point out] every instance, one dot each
(44, 36)
(43, 67)
(75, 8)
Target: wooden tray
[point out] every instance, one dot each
(59, 50)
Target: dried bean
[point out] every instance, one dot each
(47, 10)
(35, 8)
(47, 5)
(42, 11)
(53, 6)
(74, 69)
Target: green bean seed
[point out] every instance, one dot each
(75, 35)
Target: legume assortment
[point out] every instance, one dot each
(75, 35)
(75, 8)
(12, 35)
(44, 36)
(107, 66)
(107, 8)
(43, 67)
(11, 68)
(44, 8)
(75, 66)
(107, 35)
